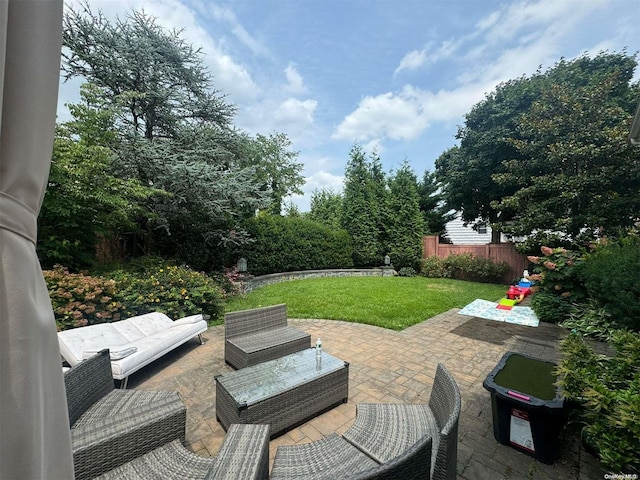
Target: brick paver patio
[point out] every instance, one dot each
(387, 366)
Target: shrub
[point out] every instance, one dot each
(590, 320)
(177, 291)
(611, 275)
(465, 266)
(285, 244)
(80, 300)
(433, 267)
(406, 272)
(550, 307)
(607, 390)
(556, 272)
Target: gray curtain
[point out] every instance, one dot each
(34, 427)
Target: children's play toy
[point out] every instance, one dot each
(516, 293)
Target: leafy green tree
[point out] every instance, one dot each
(276, 169)
(404, 224)
(358, 204)
(576, 177)
(326, 208)
(466, 171)
(84, 201)
(434, 210)
(157, 80)
(174, 132)
(547, 153)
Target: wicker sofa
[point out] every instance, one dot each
(386, 441)
(133, 343)
(260, 334)
(244, 455)
(111, 426)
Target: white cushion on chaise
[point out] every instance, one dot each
(133, 343)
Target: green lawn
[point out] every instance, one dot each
(389, 302)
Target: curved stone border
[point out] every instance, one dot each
(250, 283)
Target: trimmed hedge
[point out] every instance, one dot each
(464, 267)
(286, 244)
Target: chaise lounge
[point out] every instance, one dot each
(133, 343)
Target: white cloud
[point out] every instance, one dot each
(295, 83)
(317, 181)
(508, 43)
(290, 116)
(399, 117)
(295, 112)
(227, 15)
(418, 58)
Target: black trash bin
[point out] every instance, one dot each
(528, 410)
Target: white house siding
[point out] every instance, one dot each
(461, 235)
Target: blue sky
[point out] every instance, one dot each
(392, 75)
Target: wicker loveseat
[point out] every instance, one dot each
(386, 441)
(244, 455)
(260, 334)
(111, 426)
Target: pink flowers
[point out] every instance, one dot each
(533, 259)
(546, 251)
(550, 265)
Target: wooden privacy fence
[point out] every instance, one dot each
(497, 252)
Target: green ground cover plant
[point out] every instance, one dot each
(389, 302)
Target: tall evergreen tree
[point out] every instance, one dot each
(405, 224)
(326, 208)
(156, 78)
(434, 209)
(356, 210)
(174, 132)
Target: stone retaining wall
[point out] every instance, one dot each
(250, 283)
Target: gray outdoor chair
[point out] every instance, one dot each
(110, 426)
(383, 431)
(244, 455)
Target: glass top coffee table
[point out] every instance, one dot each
(284, 392)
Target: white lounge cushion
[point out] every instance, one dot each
(154, 346)
(115, 353)
(188, 320)
(135, 332)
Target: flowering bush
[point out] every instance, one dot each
(556, 271)
(80, 300)
(556, 276)
(174, 290)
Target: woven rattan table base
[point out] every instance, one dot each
(285, 409)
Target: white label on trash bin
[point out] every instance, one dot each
(520, 433)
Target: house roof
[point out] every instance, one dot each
(634, 132)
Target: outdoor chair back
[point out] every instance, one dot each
(445, 403)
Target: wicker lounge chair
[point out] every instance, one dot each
(260, 334)
(332, 458)
(386, 441)
(445, 403)
(244, 455)
(383, 430)
(110, 426)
